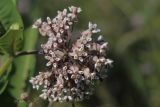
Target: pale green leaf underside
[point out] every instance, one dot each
(11, 41)
(24, 64)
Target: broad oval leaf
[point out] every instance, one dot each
(11, 22)
(12, 40)
(9, 14)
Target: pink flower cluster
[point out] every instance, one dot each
(74, 65)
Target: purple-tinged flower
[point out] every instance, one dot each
(74, 66)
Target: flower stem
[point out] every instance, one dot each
(73, 105)
(26, 53)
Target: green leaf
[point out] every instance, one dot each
(11, 41)
(24, 65)
(3, 86)
(4, 72)
(11, 22)
(5, 65)
(2, 30)
(9, 14)
(11, 35)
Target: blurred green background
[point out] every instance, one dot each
(132, 28)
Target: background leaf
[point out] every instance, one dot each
(24, 65)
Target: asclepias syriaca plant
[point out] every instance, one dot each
(74, 65)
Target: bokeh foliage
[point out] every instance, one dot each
(132, 28)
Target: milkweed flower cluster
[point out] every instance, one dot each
(74, 66)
